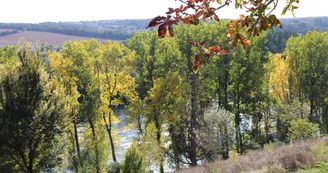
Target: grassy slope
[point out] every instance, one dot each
(304, 156)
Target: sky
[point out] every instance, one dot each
(35, 11)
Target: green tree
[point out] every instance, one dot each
(301, 129)
(31, 115)
(133, 162)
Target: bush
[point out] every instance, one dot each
(133, 162)
(114, 167)
(301, 129)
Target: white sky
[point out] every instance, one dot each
(35, 11)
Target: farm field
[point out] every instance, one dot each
(43, 37)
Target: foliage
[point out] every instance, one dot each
(31, 113)
(133, 161)
(217, 131)
(114, 167)
(301, 129)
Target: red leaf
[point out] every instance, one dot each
(196, 64)
(223, 52)
(156, 21)
(216, 18)
(162, 31)
(191, 43)
(213, 49)
(171, 31)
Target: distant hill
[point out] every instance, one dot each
(303, 25)
(123, 29)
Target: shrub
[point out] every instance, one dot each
(114, 167)
(301, 129)
(133, 162)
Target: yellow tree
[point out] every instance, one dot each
(116, 83)
(61, 68)
(84, 56)
(279, 86)
(165, 103)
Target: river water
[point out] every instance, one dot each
(125, 134)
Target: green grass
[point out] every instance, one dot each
(320, 168)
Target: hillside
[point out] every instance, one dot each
(43, 37)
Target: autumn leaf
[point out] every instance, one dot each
(196, 64)
(162, 31)
(156, 21)
(171, 31)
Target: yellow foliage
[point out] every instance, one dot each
(279, 78)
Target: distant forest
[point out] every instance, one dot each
(123, 29)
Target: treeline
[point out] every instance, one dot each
(234, 103)
(68, 29)
(306, 24)
(4, 33)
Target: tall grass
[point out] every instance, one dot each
(275, 159)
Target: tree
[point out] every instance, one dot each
(308, 70)
(133, 161)
(115, 84)
(217, 132)
(31, 112)
(84, 55)
(61, 70)
(301, 129)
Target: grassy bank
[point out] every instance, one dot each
(302, 157)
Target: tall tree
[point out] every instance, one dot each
(31, 115)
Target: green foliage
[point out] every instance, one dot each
(321, 152)
(319, 168)
(114, 167)
(133, 162)
(31, 113)
(301, 129)
(151, 150)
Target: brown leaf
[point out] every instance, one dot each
(162, 31)
(156, 21)
(171, 31)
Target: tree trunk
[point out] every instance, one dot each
(77, 142)
(311, 110)
(238, 130)
(109, 132)
(193, 151)
(225, 153)
(158, 137)
(94, 135)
